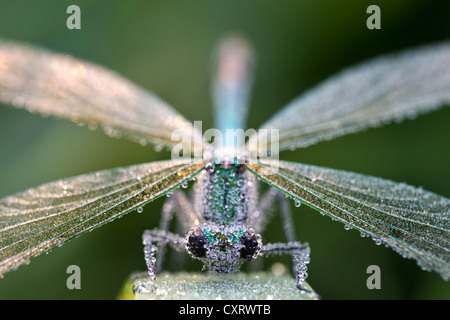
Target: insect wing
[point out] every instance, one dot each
(35, 221)
(412, 221)
(59, 85)
(385, 89)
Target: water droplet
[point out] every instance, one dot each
(184, 185)
(92, 125)
(158, 147)
(111, 132)
(143, 142)
(210, 167)
(297, 203)
(347, 227)
(139, 209)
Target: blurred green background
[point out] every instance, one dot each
(165, 46)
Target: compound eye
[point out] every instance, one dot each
(250, 246)
(196, 243)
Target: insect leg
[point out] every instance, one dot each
(180, 206)
(300, 257)
(288, 223)
(288, 226)
(150, 239)
(266, 211)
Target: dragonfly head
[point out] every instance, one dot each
(223, 248)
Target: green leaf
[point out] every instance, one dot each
(206, 286)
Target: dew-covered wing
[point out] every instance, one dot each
(382, 90)
(59, 85)
(412, 221)
(35, 221)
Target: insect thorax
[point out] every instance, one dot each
(225, 194)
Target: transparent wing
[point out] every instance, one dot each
(388, 88)
(413, 222)
(62, 86)
(35, 221)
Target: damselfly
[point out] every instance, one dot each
(225, 213)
